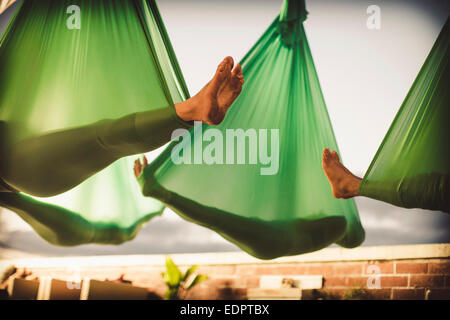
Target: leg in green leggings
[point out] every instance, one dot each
(427, 191)
(63, 227)
(53, 163)
(58, 161)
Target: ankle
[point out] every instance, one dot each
(185, 111)
(354, 186)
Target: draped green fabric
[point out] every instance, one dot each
(268, 210)
(412, 166)
(56, 77)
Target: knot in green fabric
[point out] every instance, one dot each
(292, 15)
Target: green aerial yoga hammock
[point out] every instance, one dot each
(412, 166)
(286, 213)
(73, 101)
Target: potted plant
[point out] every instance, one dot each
(178, 283)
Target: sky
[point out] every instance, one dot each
(364, 74)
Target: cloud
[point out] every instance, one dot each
(386, 224)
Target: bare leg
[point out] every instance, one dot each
(344, 184)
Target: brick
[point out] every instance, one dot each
(246, 270)
(297, 269)
(408, 294)
(220, 282)
(384, 268)
(347, 269)
(321, 269)
(393, 281)
(439, 294)
(335, 282)
(217, 270)
(269, 270)
(357, 281)
(272, 270)
(429, 281)
(385, 281)
(411, 267)
(283, 270)
(251, 281)
(439, 268)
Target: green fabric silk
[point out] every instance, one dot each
(119, 62)
(412, 166)
(292, 211)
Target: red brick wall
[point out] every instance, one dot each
(399, 279)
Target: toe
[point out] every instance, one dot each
(326, 153)
(222, 66)
(229, 62)
(145, 161)
(223, 71)
(237, 76)
(225, 65)
(228, 66)
(335, 156)
(237, 71)
(137, 168)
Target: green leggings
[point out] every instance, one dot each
(63, 227)
(56, 162)
(427, 191)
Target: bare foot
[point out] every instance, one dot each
(138, 167)
(212, 102)
(344, 184)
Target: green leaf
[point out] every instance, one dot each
(171, 294)
(198, 278)
(174, 274)
(165, 277)
(189, 272)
